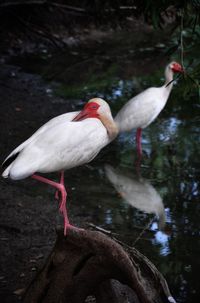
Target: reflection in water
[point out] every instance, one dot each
(138, 193)
(162, 239)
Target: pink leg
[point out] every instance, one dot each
(61, 182)
(62, 206)
(60, 187)
(138, 142)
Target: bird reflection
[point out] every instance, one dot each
(139, 193)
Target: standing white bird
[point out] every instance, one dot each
(66, 141)
(143, 109)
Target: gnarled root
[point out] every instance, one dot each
(89, 262)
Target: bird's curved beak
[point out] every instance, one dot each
(86, 113)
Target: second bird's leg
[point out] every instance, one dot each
(61, 188)
(138, 142)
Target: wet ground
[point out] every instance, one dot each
(35, 88)
(26, 236)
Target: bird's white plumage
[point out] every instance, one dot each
(62, 146)
(142, 109)
(63, 143)
(51, 123)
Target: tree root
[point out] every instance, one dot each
(86, 263)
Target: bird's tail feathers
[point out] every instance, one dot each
(17, 170)
(6, 172)
(13, 155)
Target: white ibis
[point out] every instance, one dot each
(143, 109)
(139, 193)
(61, 144)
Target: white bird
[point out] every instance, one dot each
(137, 113)
(139, 193)
(143, 109)
(61, 144)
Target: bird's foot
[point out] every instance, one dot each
(60, 187)
(68, 226)
(63, 209)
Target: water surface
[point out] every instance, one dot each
(169, 171)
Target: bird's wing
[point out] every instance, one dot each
(63, 146)
(51, 123)
(140, 110)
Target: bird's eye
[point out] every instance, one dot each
(94, 107)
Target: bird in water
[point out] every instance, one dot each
(142, 110)
(64, 142)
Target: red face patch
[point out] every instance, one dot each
(91, 106)
(89, 111)
(177, 68)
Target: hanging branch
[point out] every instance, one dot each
(181, 37)
(22, 2)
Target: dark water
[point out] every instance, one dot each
(167, 187)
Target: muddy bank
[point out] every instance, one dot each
(27, 228)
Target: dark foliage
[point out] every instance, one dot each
(112, 12)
